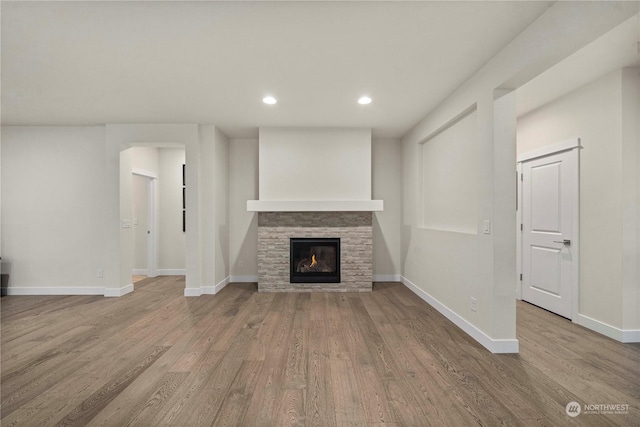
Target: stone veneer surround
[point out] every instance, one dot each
(356, 257)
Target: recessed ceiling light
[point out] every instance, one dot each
(269, 100)
(364, 100)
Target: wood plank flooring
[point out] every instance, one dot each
(243, 358)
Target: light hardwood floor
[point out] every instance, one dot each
(386, 358)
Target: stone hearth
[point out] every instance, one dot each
(354, 230)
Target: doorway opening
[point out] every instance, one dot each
(548, 221)
(152, 204)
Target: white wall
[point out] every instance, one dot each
(140, 221)
(448, 268)
(144, 160)
(243, 225)
(594, 113)
(315, 164)
(448, 194)
(127, 233)
(66, 190)
(2, 272)
(54, 208)
(631, 200)
(171, 239)
(243, 185)
(387, 186)
(453, 262)
(221, 211)
(214, 147)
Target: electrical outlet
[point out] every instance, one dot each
(241, 263)
(100, 273)
(474, 304)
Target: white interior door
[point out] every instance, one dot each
(549, 231)
(145, 220)
(140, 223)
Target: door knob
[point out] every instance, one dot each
(565, 241)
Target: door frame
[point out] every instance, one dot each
(152, 219)
(574, 146)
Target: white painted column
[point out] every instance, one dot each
(503, 227)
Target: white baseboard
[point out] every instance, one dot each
(254, 279)
(386, 278)
(244, 279)
(207, 290)
(630, 336)
(376, 278)
(41, 290)
(212, 290)
(118, 292)
(192, 292)
(160, 272)
(171, 272)
(493, 345)
(622, 335)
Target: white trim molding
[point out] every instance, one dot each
(493, 345)
(314, 205)
(569, 144)
(192, 292)
(243, 279)
(50, 290)
(519, 230)
(160, 272)
(387, 278)
(207, 290)
(145, 173)
(621, 335)
(212, 290)
(118, 292)
(171, 272)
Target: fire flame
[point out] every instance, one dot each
(313, 261)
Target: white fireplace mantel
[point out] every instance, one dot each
(314, 205)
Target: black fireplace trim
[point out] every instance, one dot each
(295, 277)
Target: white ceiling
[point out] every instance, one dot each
(614, 50)
(77, 63)
(80, 63)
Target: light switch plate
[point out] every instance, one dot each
(486, 227)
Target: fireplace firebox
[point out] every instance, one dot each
(315, 260)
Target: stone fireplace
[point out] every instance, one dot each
(314, 187)
(340, 243)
